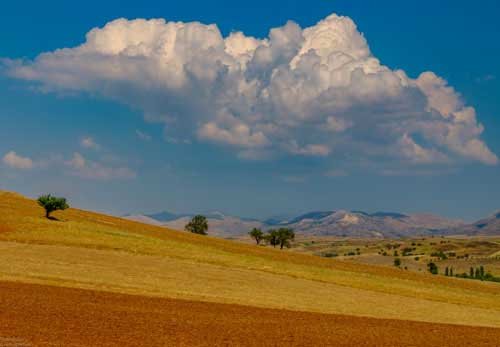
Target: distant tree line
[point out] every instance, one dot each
(478, 273)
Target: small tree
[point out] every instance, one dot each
(285, 235)
(446, 271)
(433, 269)
(272, 237)
(197, 225)
(257, 235)
(51, 203)
(397, 262)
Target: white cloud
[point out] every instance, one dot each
(89, 143)
(13, 160)
(310, 149)
(143, 136)
(238, 135)
(81, 167)
(317, 91)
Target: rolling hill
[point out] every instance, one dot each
(85, 266)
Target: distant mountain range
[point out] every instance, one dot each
(335, 223)
(487, 226)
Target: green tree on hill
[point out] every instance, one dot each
(285, 235)
(51, 203)
(272, 237)
(257, 235)
(197, 225)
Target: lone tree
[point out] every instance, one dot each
(285, 235)
(257, 235)
(51, 203)
(197, 225)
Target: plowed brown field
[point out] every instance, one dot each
(39, 315)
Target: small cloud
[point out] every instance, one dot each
(13, 160)
(316, 150)
(77, 162)
(89, 143)
(143, 136)
(88, 169)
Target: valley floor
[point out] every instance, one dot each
(41, 315)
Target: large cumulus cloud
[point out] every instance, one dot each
(317, 91)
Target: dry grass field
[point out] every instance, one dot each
(461, 252)
(100, 253)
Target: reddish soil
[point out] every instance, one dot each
(38, 315)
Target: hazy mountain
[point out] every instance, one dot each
(362, 224)
(338, 223)
(486, 226)
(164, 216)
(311, 216)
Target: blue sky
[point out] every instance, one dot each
(90, 141)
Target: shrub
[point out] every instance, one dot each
(432, 267)
(439, 255)
(197, 225)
